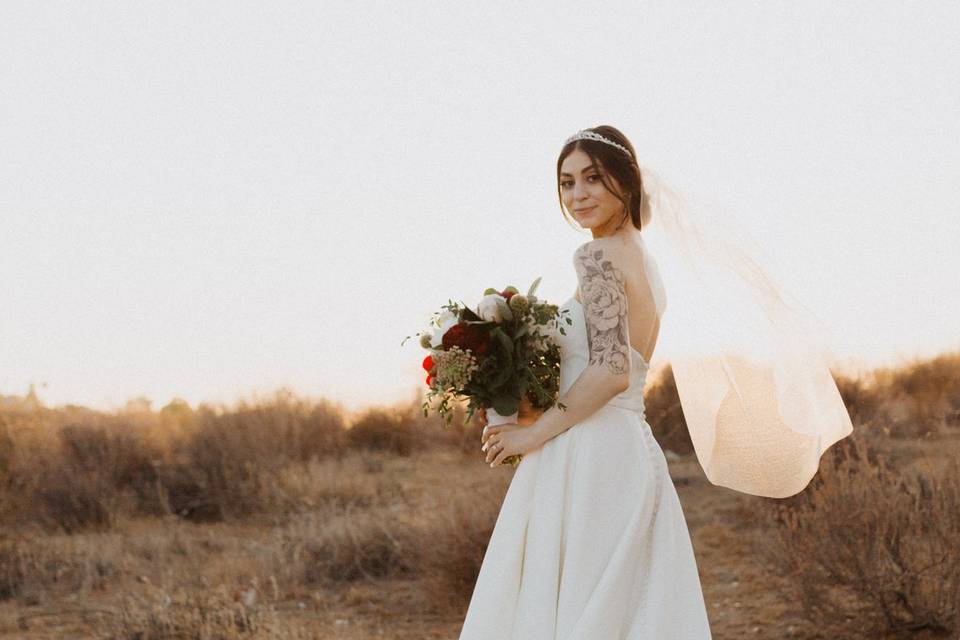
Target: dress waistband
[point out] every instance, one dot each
(632, 405)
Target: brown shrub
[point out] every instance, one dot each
(873, 543)
(32, 567)
(73, 503)
(665, 414)
(230, 463)
(76, 476)
(380, 429)
(861, 400)
(455, 535)
(460, 434)
(340, 545)
(919, 398)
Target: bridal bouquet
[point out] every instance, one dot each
(495, 356)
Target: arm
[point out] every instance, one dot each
(591, 390)
(607, 373)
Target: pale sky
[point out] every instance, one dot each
(216, 199)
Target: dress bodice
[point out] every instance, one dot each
(575, 355)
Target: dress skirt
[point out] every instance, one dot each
(590, 543)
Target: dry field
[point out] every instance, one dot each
(287, 518)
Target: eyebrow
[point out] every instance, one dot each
(592, 166)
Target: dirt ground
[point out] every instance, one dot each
(745, 598)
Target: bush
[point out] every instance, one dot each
(457, 533)
(665, 414)
(31, 567)
(862, 401)
(230, 464)
(920, 398)
(872, 543)
(384, 430)
(326, 548)
(82, 476)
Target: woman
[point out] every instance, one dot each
(591, 541)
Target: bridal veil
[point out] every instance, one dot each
(757, 395)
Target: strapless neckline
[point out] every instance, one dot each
(639, 355)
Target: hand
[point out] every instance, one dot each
(504, 440)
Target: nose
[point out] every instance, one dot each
(579, 191)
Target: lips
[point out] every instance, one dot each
(585, 210)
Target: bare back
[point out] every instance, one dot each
(646, 298)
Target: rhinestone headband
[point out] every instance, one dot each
(583, 134)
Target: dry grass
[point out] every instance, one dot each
(285, 518)
(885, 540)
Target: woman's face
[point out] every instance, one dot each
(585, 197)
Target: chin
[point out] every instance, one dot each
(587, 221)
(592, 222)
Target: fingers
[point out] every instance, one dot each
(501, 454)
(487, 432)
(493, 447)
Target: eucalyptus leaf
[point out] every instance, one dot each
(533, 287)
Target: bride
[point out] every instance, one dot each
(591, 541)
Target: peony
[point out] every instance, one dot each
(446, 320)
(489, 307)
(468, 337)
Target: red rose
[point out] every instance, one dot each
(429, 379)
(428, 363)
(467, 336)
(508, 294)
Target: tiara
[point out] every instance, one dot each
(583, 134)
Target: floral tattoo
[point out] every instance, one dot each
(604, 308)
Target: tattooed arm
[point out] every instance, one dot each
(604, 295)
(600, 275)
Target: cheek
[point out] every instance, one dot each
(609, 200)
(601, 196)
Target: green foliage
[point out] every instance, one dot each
(521, 360)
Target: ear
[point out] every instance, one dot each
(600, 273)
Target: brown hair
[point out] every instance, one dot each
(617, 164)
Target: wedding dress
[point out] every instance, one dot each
(591, 542)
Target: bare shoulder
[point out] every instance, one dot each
(620, 253)
(608, 247)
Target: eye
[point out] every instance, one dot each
(595, 175)
(565, 183)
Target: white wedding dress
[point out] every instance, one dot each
(591, 541)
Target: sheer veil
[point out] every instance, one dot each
(757, 395)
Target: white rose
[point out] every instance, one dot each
(489, 308)
(446, 320)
